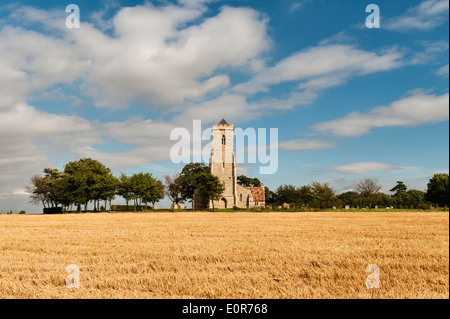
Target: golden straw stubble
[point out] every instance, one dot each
(225, 255)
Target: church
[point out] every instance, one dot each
(222, 164)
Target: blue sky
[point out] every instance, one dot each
(348, 101)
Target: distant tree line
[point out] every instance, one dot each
(367, 194)
(88, 181)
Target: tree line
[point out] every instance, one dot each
(367, 193)
(88, 181)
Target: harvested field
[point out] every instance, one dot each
(225, 255)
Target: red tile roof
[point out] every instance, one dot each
(258, 193)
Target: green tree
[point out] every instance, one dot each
(61, 191)
(189, 178)
(125, 188)
(305, 195)
(350, 198)
(438, 190)
(269, 196)
(85, 176)
(324, 195)
(108, 185)
(416, 198)
(143, 188)
(248, 182)
(156, 193)
(401, 200)
(173, 189)
(287, 194)
(51, 180)
(400, 187)
(210, 187)
(79, 189)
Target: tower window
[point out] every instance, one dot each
(223, 140)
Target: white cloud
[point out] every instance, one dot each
(233, 107)
(306, 145)
(431, 52)
(338, 38)
(363, 168)
(155, 55)
(411, 111)
(321, 67)
(426, 16)
(156, 59)
(443, 71)
(30, 139)
(297, 5)
(34, 62)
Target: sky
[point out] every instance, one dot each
(348, 101)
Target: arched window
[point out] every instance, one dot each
(223, 140)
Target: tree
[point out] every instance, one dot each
(400, 187)
(401, 197)
(107, 188)
(144, 189)
(189, 178)
(61, 192)
(324, 195)
(438, 190)
(269, 196)
(210, 187)
(51, 178)
(350, 198)
(368, 188)
(416, 198)
(248, 182)
(287, 194)
(156, 193)
(306, 195)
(173, 189)
(125, 188)
(39, 191)
(85, 176)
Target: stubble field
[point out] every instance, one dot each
(225, 255)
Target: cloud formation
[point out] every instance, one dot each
(321, 67)
(363, 168)
(426, 16)
(306, 145)
(155, 53)
(414, 110)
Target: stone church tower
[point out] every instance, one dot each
(223, 161)
(223, 165)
